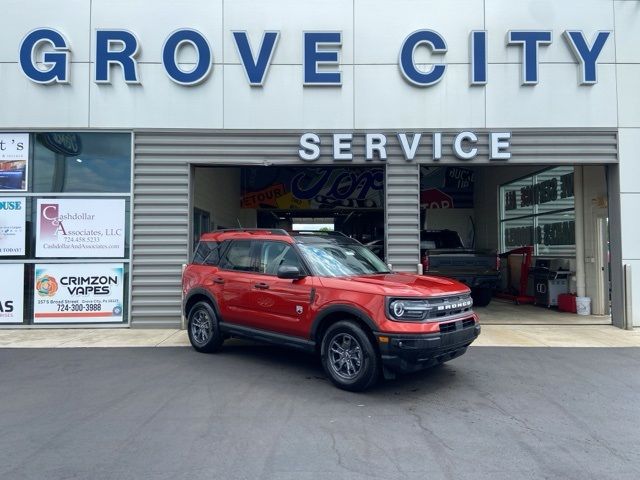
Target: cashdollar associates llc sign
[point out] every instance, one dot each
(80, 228)
(79, 293)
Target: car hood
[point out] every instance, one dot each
(399, 284)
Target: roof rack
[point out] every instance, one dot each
(319, 232)
(271, 231)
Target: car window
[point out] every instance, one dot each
(207, 253)
(238, 257)
(273, 255)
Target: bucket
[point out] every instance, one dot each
(583, 305)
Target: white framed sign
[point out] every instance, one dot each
(78, 293)
(11, 293)
(14, 162)
(80, 228)
(12, 226)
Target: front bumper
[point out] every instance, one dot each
(402, 353)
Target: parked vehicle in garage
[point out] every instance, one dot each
(326, 294)
(443, 254)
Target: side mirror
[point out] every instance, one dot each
(289, 272)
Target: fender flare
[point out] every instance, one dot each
(200, 291)
(341, 308)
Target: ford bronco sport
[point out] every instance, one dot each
(328, 294)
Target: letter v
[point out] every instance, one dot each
(409, 151)
(256, 70)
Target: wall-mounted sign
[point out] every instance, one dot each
(12, 226)
(80, 228)
(14, 159)
(11, 293)
(78, 293)
(320, 59)
(446, 187)
(290, 188)
(63, 143)
(414, 146)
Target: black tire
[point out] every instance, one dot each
(481, 296)
(203, 329)
(355, 364)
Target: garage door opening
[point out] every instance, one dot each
(523, 238)
(349, 200)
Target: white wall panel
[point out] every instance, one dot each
(557, 101)
(627, 31)
(291, 18)
(70, 17)
(629, 95)
(283, 102)
(381, 26)
(383, 99)
(635, 282)
(158, 102)
(29, 105)
(629, 153)
(557, 15)
(630, 206)
(152, 22)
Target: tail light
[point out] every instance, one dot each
(425, 263)
(498, 262)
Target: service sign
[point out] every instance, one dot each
(11, 293)
(80, 228)
(78, 293)
(12, 226)
(14, 157)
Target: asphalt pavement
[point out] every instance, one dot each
(259, 412)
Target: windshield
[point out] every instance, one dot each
(335, 260)
(439, 239)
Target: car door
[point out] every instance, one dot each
(236, 278)
(280, 305)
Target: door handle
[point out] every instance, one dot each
(262, 286)
(218, 280)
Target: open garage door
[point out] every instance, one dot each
(526, 239)
(349, 200)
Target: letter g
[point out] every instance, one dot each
(56, 62)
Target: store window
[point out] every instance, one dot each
(64, 228)
(539, 211)
(82, 162)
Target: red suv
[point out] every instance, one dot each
(328, 294)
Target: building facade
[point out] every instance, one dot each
(149, 117)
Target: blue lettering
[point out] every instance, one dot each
(407, 64)
(316, 53)
(587, 56)
(530, 41)
(126, 48)
(478, 57)
(256, 70)
(170, 52)
(57, 62)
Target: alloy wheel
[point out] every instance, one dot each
(345, 356)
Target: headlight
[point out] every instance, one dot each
(409, 309)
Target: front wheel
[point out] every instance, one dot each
(349, 357)
(481, 296)
(204, 332)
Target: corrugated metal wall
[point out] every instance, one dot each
(161, 206)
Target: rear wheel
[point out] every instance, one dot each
(349, 357)
(204, 332)
(481, 296)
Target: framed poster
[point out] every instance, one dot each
(12, 226)
(14, 161)
(80, 228)
(78, 293)
(11, 293)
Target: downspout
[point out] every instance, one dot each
(578, 191)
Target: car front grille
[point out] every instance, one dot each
(451, 306)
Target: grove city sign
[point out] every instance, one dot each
(45, 55)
